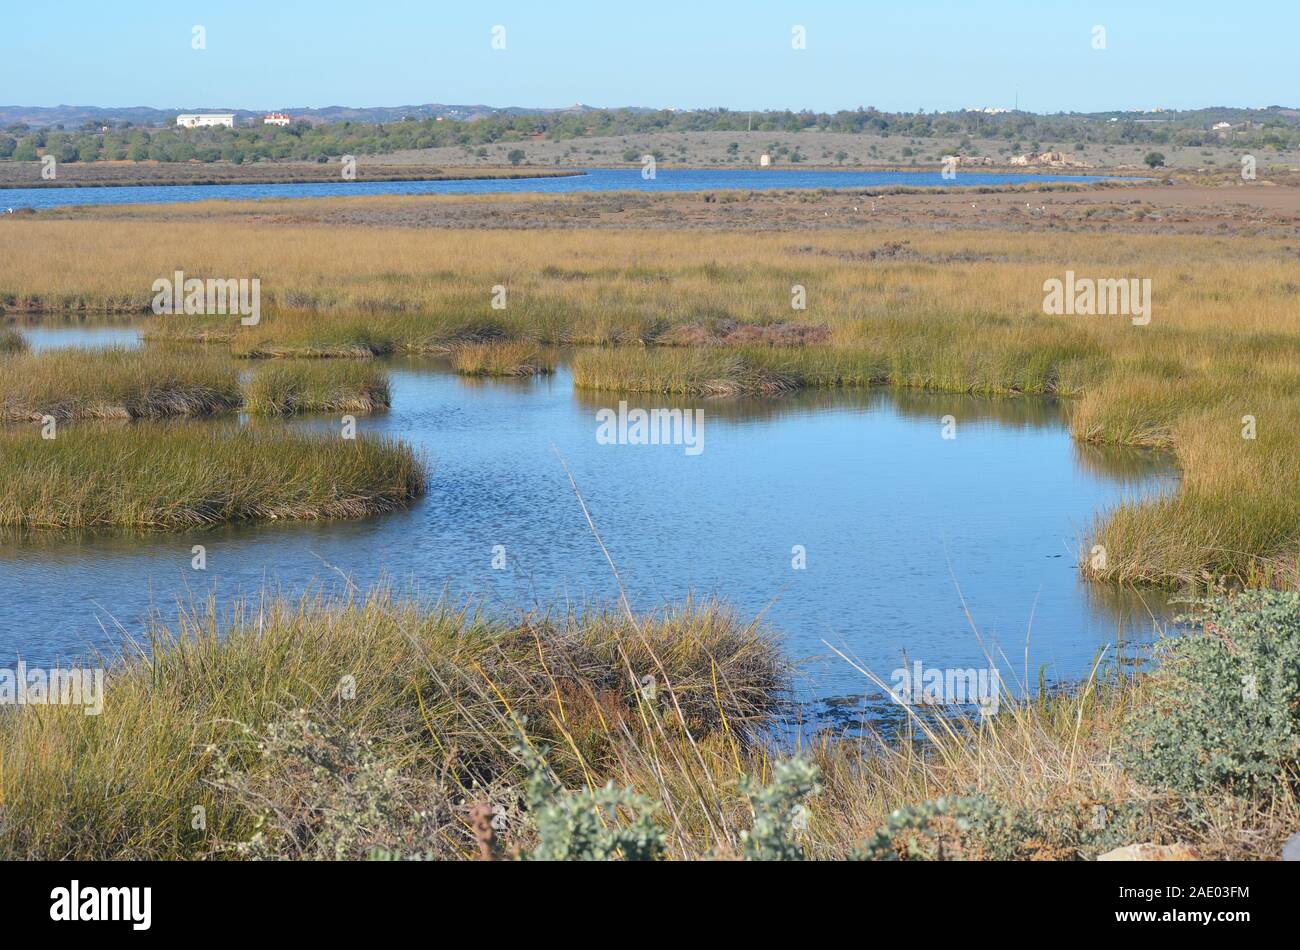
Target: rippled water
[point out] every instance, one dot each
(904, 530)
(595, 179)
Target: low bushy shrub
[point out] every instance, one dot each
(951, 828)
(779, 811)
(319, 791)
(1225, 700)
(586, 825)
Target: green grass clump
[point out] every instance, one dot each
(115, 384)
(11, 341)
(156, 383)
(1234, 515)
(287, 388)
(501, 359)
(344, 339)
(683, 372)
(960, 354)
(156, 476)
(299, 333)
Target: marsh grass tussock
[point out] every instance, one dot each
(159, 382)
(439, 330)
(284, 388)
(686, 372)
(438, 692)
(12, 341)
(158, 476)
(1234, 515)
(115, 384)
(501, 359)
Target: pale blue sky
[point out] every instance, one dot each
(900, 55)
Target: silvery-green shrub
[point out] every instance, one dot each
(317, 791)
(1225, 700)
(950, 828)
(779, 808)
(585, 825)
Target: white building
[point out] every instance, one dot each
(195, 120)
(275, 118)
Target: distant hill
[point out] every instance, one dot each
(77, 116)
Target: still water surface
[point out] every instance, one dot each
(595, 179)
(904, 530)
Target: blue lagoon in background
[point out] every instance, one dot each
(594, 179)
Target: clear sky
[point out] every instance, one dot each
(897, 55)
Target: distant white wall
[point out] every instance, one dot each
(191, 120)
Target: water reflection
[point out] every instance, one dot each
(910, 539)
(71, 332)
(921, 406)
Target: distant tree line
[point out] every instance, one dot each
(1255, 129)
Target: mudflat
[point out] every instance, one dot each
(1266, 208)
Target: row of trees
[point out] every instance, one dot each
(307, 141)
